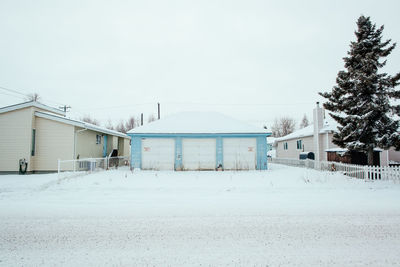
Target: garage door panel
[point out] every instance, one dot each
(239, 153)
(158, 154)
(199, 154)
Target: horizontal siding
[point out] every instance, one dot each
(15, 138)
(308, 143)
(54, 140)
(86, 146)
(292, 152)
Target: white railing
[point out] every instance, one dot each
(352, 170)
(91, 164)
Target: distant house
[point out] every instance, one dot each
(199, 141)
(303, 141)
(41, 135)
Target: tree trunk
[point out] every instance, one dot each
(371, 157)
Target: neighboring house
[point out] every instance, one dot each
(41, 135)
(198, 141)
(301, 141)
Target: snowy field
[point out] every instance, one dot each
(285, 216)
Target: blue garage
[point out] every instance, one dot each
(198, 141)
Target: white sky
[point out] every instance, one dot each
(252, 60)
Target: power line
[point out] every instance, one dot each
(120, 106)
(13, 91)
(238, 104)
(199, 104)
(11, 95)
(27, 95)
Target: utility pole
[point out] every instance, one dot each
(65, 108)
(158, 104)
(141, 119)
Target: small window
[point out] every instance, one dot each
(285, 146)
(299, 145)
(33, 142)
(98, 139)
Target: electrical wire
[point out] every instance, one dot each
(13, 95)
(13, 91)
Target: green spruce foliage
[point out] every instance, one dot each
(363, 101)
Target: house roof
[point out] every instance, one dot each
(198, 123)
(271, 140)
(31, 104)
(79, 123)
(328, 126)
(59, 115)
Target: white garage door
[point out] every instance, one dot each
(239, 153)
(158, 154)
(199, 154)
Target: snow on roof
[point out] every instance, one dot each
(197, 122)
(328, 126)
(79, 123)
(336, 149)
(32, 104)
(271, 140)
(343, 150)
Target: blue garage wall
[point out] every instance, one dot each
(136, 147)
(262, 163)
(136, 152)
(220, 152)
(178, 153)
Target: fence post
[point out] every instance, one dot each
(365, 173)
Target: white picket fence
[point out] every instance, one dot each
(357, 171)
(91, 164)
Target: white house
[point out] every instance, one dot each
(40, 135)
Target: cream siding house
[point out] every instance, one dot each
(41, 135)
(291, 145)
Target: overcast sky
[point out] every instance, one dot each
(252, 60)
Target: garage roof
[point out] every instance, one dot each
(197, 123)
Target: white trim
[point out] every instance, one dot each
(59, 119)
(81, 124)
(104, 130)
(31, 104)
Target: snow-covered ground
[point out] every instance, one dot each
(283, 216)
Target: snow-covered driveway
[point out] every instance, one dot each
(283, 216)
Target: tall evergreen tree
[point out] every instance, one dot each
(362, 100)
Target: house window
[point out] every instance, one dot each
(299, 144)
(98, 139)
(285, 146)
(33, 142)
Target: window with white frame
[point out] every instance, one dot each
(98, 139)
(299, 145)
(285, 146)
